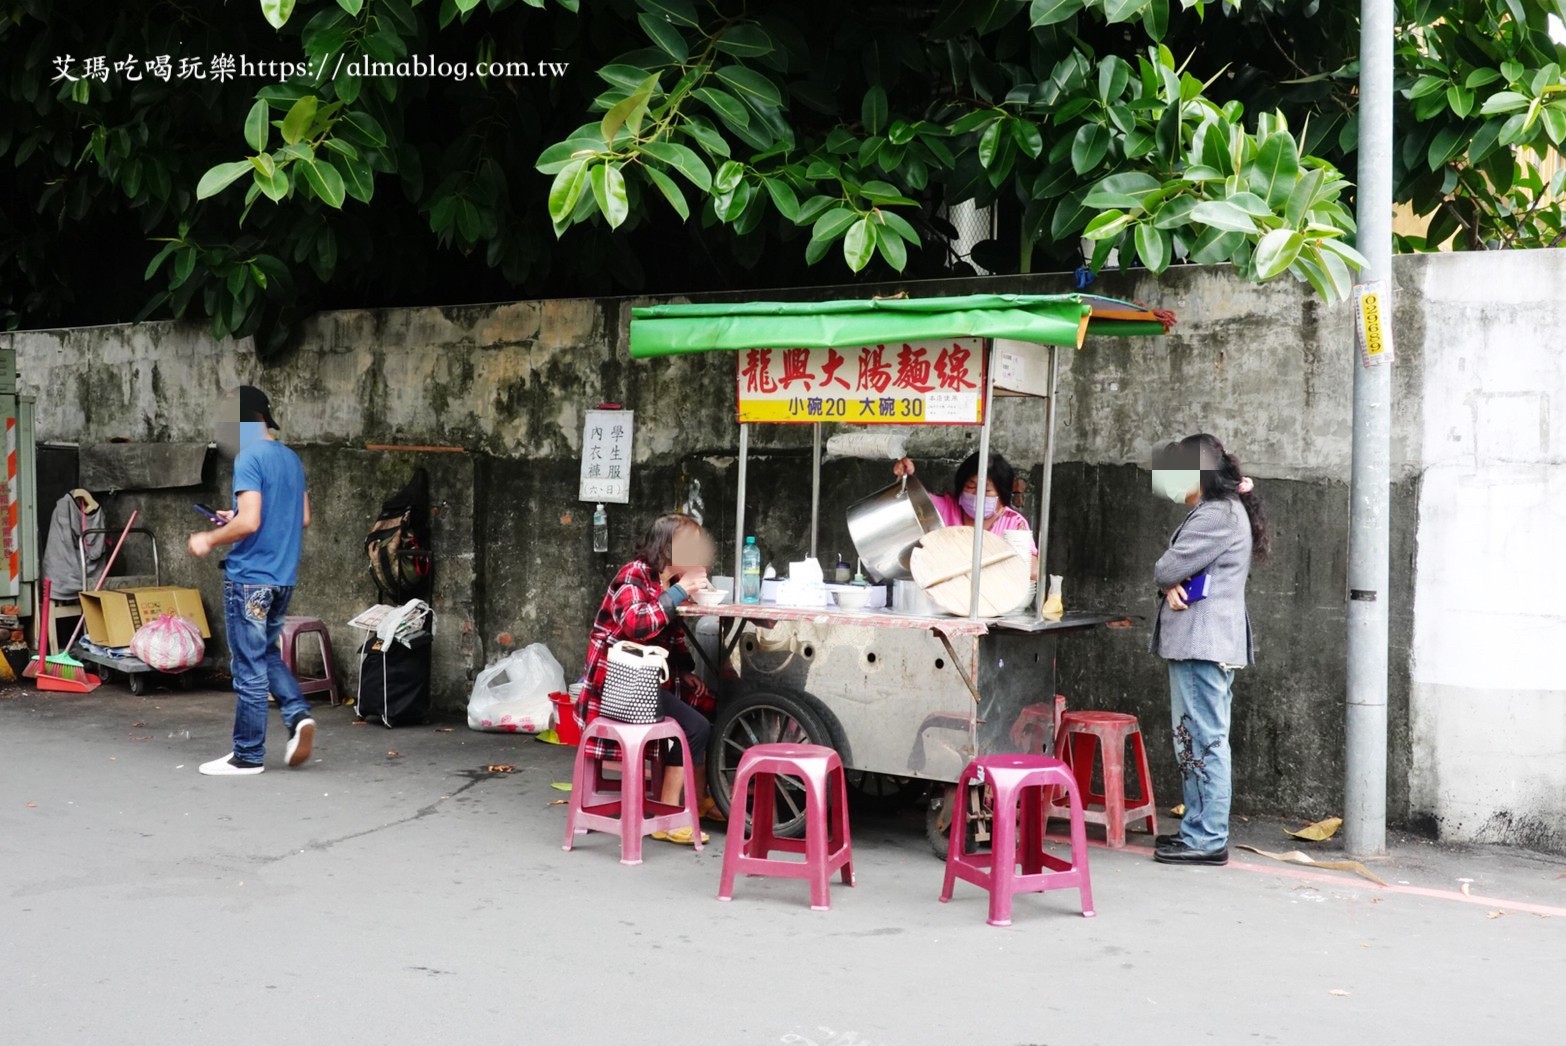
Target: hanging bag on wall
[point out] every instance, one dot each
(636, 673)
(398, 545)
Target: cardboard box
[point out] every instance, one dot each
(114, 616)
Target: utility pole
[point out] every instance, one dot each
(1365, 719)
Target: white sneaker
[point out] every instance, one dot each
(230, 766)
(300, 738)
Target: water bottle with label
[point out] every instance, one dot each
(600, 530)
(750, 572)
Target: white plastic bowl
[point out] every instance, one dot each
(852, 598)
(710, 597)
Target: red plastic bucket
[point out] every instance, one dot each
(566, 729)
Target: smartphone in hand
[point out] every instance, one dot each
(211, 514)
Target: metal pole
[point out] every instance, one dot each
(815, 491)
(739, 515)
(984, 474)
(1365, 718)
(1044, 486)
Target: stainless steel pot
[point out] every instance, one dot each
(888, 524)
(909, 598)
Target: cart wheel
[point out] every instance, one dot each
(763, 718)
(938, 821)
(137, 681)
(882, 793)
(183, 681)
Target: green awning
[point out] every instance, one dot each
(1045, 319)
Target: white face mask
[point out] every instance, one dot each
(1176, 484)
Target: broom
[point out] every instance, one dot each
(47, 679)
(63, 665)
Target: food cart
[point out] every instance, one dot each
(905, 699)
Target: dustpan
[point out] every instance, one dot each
(49, 675)
(86, 683)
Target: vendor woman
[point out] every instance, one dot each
(668, 567)
(964, 504)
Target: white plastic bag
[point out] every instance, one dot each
(512, 695)
(169, 644)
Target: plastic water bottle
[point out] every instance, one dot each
(750, 572)
(600, 530)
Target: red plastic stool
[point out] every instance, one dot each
(1023, 785)
(826, 846)
(293, 628)
(1079, 731)
(630, 811)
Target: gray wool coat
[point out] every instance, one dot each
(1215, 537)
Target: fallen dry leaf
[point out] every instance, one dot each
(360, 722)
(1319, 832)
(32, 806)
(1296, 857)
(137, 723)
(1177, 811)
(557, 802)
(140, 737)
(393, 754)
(1495, 914)
(443, 729)
(1338, 992)
(501, 768)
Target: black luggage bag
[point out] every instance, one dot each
(394, 683)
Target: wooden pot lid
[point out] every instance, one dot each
(942, 565)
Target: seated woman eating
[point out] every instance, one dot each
(639, 607)
(964, 505)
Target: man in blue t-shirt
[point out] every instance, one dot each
(271, 508)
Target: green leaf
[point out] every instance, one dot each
(273, 183)
(566, 191)
(1175, 213)
(783, 197)
(1250, 203)
(1107, 225)
(157, 260)
(184, 265)
(1484, 141)
(1155, 19)
(1276, 169)
(256, 127)
(364, 127)
(1460, 100)
(1070, 215)
(1442, 146)
(751, 84)
(872, 113)
(1088, 147)
(325, 180)
(221, 177)
(1123, 190)
(745, 40)
(1123, 10)
(989, 142)
(1154, 247)
(358, 179)
(671, 192)
(297, 123)
(680, 12)
(277, 11)
(682, 159)
(899, 225)
(724, 104)
(1051, 12)
(1276, 252)
(833, 224)
(609, 190)
(859, 244)
(892, 248)
(1215, 245)
(351, 6)
(668, 38)
(1224, 216)
(812, 209)
(1482, 78)
(1426, 86)
(1028, 137)
(628, 112)
(1347, 253)
(1503, 102)
(729, 174)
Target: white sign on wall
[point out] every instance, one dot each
(606, 456)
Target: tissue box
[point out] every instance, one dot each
(792, 593)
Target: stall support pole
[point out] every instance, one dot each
(1046, 482)
(815, 490)
(983, 476)
(739, 515)
(1365, 711)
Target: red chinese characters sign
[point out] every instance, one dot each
(905, 383)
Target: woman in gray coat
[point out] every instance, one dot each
(1203, 630)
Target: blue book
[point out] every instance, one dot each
(1195, 588)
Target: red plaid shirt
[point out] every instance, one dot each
(631, 611)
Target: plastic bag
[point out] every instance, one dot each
(169, 644)
(512, 695)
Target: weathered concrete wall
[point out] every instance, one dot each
(1489, 644)
(1267, 369)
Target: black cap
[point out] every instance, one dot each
(253, 402)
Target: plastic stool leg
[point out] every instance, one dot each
(762, 817)
(817, 839)
(632, 802)
(1114, 790)
(954, 845)
(1030, 842)
(690, 792)
(1145, 776)
(1079, 855)
(734, 842)
(1003, 856)
(578, 784)
(840, 834)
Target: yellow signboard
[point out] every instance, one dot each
(1373, 331)
(909, 383)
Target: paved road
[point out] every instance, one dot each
(415, 898)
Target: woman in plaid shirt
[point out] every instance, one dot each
(639, 607)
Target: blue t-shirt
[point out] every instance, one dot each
(270, 556)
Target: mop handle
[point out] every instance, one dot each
(108, 566)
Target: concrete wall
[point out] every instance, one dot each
(1267, 369)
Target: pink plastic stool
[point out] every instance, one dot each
(629, 809)
(1074, 742)
(826, 846)
(1022, 785)
(293, 628)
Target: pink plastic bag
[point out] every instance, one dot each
(169, 644)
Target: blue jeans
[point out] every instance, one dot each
(254, 615)
(1200, 693)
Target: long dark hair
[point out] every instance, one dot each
(1221, 477)
(1001, 474)
(657, 545)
